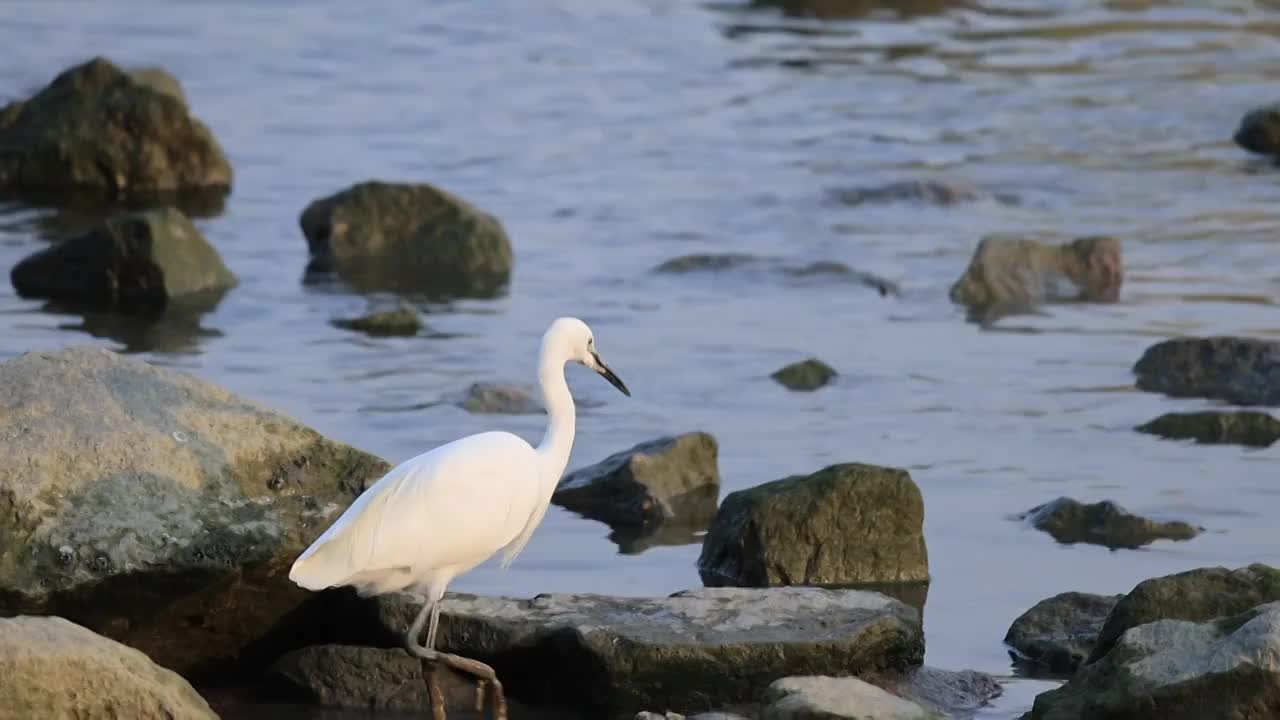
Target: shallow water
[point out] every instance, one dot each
(612, 135)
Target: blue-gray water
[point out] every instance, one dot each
(610, 135)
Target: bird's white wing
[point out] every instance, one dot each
(451, 507)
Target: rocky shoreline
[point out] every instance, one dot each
(148, 518)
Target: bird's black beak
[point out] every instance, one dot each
(607, 374)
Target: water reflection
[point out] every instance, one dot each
(178, 328)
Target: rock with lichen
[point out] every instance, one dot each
(135, 498)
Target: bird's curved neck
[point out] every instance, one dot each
(561, 418)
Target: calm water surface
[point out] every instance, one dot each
(610, 135)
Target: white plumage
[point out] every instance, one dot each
(442, 513)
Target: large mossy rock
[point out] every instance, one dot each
(1228, 669)
(408, 238)
(1020, 273)
(693, 650)
(843, 525)
(99, 128)
(1241, 371)
(157, 509)
(133, 262)
(53, 669)
(1196, 595)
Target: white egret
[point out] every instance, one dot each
(442, 513)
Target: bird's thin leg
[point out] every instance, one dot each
(485, 676)
(428, 655)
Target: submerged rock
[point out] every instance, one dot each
(1103, 523)
(696, 649)
(1017, 273)
(1241, 371)
(806, 375)
(1240, 427)
(157, 509)
(671, 479)
(133, 262)
(1259, 131)
(406, 237)
(54, 669)
(499, 398)
(932, 192)
(1057, 634)
(99, 128)
(1179, 670)
(795, 272)
(836, 698)
(845, 524)
(1196, 595)
(398, 322)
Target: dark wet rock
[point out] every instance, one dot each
(1178, 670)
(386, 679)
(1241, 371)
(950, 693)
(932, 192)
(698, 649)
(397, 322)
(1195, 595)
(845, 524)
(407, 237)
(1057, 634)
(157, 509)
(55, 669)
(1103, 523)
(805, 375)
(837, 698)
(1241, 427)
(671, 479)
(849, 9)
(98, 128)
(1019, 273)
(1259, 131)
(133, 262)
(500, 399)
(794, 272)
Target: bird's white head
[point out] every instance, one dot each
(570, 339)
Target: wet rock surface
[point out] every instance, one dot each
(1178, 670)
(133, 262)
(116, 134)
(499, 398)
(845, 524)
(1241, 427)
(408, 237)
(1241, 371)
(394, 322)
(138, 499)
(1057, 634)
(1103, 523)
(835, 698)
(697, 649)
(806, 375)
(1196, 595)
(790, 270)
(1259, 130)
(56, 670)
(1012, 274)
(671, 479)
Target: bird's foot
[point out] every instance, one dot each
(486, 679)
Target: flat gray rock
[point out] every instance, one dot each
(687, 652)
(837, 698)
